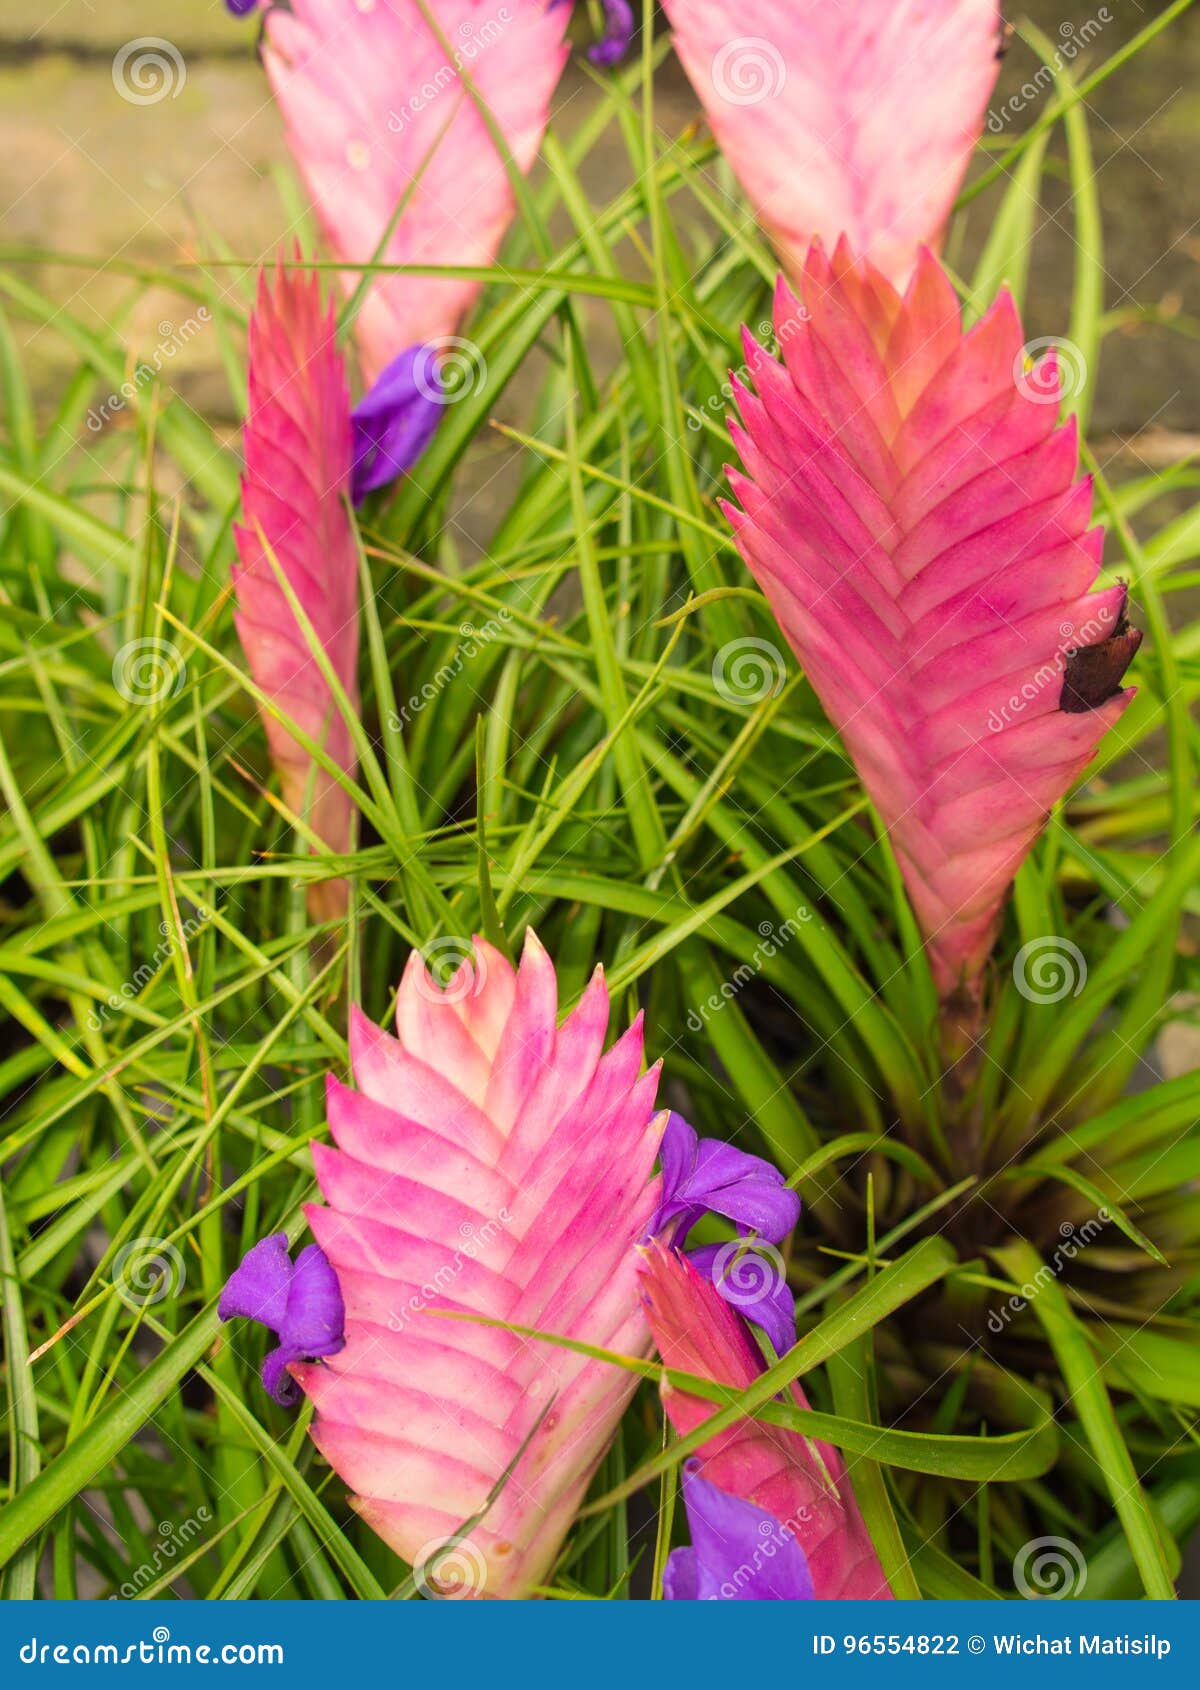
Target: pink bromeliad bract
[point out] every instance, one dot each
(792, 1480)
(491, 1163)
(844, 119)
(911, 508)
(382, 107)
(294, 490)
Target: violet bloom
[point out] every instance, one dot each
(300, 1302)
(706, 1176)
(240, 8)
(738, 1553)
(396, 420)
(618, 32)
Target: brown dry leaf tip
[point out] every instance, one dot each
(1093, 673)
(1004, 39)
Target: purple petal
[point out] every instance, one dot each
(258, 1288)
(740, 1553)
(707, 1175)
(300, 1303)
(746, 1190)
(239, 8)
(396, 420)
(618, 32)
(681, 1577)
(316, 1314)
(277, 1381)
(753, 1282)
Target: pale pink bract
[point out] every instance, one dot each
(838, 118)
(379, 120)
(490, 1163)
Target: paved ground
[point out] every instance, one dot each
(86, 171)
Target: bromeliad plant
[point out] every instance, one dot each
(830, 761)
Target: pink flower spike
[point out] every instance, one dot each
(492, 1163)
(911, 510)
(380, 120)
(297, 477)
(797, 1481)
(844, 119)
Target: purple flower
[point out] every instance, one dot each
(752, 1278)
(705, 1175)
(396, 420)
(239, 8)
(618, 32)
(300, 1302)
(738, 1553)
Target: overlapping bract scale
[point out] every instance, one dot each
(844, 119)
(911, 509)
(383, 127)
(297, 476)
(490, 1163)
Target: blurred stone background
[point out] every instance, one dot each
(86, 173)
